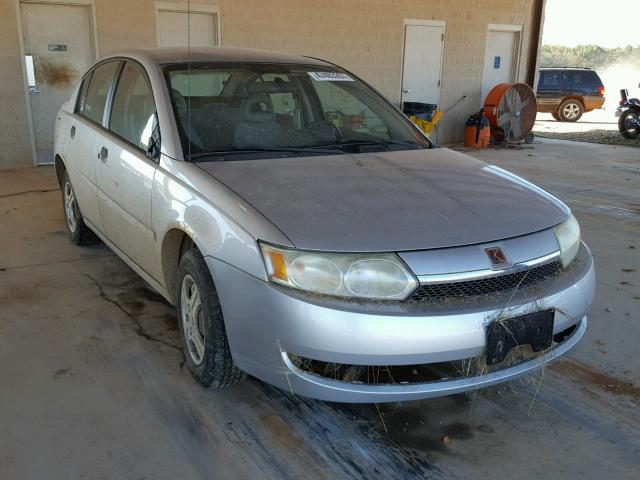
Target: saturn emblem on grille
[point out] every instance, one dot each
(497, 257)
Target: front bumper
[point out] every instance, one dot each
(267, 324)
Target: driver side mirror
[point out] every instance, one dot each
(153, 148)
(153, 145)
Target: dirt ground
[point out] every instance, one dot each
(92, 383)
(599, 126)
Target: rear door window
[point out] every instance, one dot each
(92, 104)
(550, 80)
(82, 92)
(133, 114)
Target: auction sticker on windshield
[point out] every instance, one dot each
(330, 77)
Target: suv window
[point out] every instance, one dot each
(133, 114)
(550, 79)
(93, 98)
(581, 78)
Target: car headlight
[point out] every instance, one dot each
(379, 276)
(568, 235)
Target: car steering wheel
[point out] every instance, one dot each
(324, 126)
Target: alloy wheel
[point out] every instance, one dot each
(70, 207)
(571, 111)
(192, 319)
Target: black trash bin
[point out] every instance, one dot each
(424, 111)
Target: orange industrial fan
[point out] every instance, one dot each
(511, 109)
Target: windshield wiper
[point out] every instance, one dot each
(365, 142)
(240, 151)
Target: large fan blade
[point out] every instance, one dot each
(505, 119)
(516, 131)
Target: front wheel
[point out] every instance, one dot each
(629, 124)
(204, 338)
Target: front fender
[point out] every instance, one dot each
(188, 201)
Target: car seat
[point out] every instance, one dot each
(258, 127)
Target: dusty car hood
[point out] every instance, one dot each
(390, 201)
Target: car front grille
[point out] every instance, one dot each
(485, 286)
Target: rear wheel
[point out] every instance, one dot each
(629, 124)
(204, 337)
(78, 232)
(570, 111)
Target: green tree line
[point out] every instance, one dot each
(592, 56)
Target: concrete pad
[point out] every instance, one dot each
(92, 383)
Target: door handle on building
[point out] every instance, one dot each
(31, 75)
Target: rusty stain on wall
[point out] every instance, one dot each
(57, 75)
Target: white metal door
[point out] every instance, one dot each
(421, 71)
(58, 46)
(499, 60)
(177, 29)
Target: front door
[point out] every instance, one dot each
(421, 71)
(58, 47)
(500, 59)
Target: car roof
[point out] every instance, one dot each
(568, 68)
(216, 54)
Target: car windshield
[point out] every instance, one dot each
(246, 110)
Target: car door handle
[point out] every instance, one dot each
(104, 154)
(406, 90)
(73, 132)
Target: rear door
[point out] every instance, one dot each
(551, 87)
(586, 85)
(125, 172)
(83, 132)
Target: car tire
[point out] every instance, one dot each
(623, 124)
(204, 337)
(556, 117)
(570, 110)
(77, 230)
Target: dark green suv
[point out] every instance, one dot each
(567, 93)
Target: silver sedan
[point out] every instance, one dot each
(309, 234)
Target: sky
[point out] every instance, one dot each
(608, 23)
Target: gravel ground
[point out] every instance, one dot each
(593, 127)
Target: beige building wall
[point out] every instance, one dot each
(365, 36)
(15, 139)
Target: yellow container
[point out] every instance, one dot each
(427, 126)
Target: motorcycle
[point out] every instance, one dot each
(629, 115)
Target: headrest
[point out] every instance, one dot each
(258, 108)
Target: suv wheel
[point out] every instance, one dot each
(570, 111)
(204, 337)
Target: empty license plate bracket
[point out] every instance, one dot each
(535, 329)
